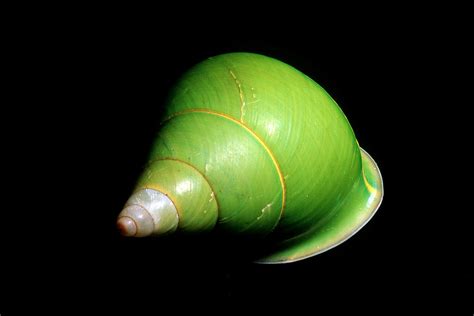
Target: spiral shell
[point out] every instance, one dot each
(251, 146)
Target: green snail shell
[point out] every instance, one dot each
(251, 146)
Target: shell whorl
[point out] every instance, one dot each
(148, 212)
(249, 145)
(235, 127)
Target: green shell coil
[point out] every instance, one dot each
(251, 146)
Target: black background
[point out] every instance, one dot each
(102, 118)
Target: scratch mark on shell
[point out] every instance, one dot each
(252, 102)
(241, 95)
(264, 210)
(212, 197)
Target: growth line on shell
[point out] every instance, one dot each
(241, 95)
(267, 149)
(198, 171)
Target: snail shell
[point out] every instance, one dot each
(251, 146)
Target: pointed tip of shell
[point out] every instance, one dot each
(126, 226)
(147, 212)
